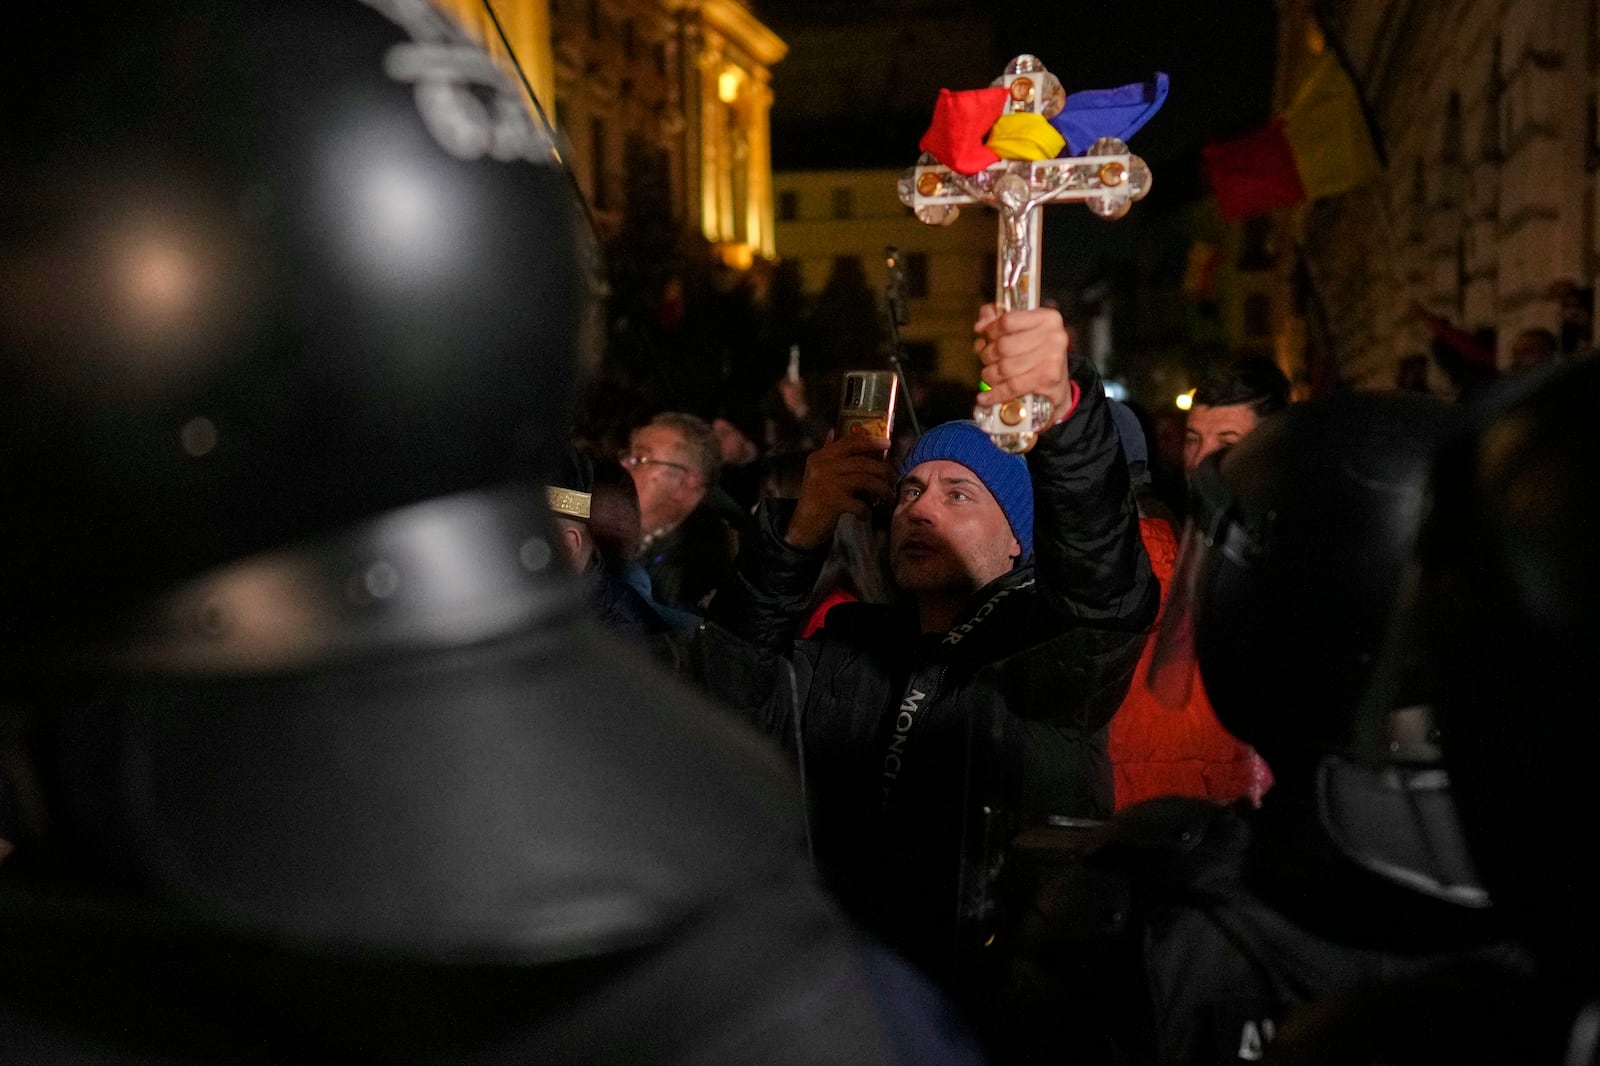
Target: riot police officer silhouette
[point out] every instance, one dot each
(1500, 614)
(315, 757)
(1188, 932)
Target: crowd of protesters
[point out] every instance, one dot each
(1107, 848)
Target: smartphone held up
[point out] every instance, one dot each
(866, 403)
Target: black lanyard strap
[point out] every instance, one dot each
(923, 688)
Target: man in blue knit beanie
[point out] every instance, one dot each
(1025, 595)
(964, 517)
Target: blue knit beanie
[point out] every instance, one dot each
(1005, 476)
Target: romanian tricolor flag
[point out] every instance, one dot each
(1321, 145)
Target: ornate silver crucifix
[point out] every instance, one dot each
(1109, 179)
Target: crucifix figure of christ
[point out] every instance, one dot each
(1108, 180)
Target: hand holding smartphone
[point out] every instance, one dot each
(849, 474)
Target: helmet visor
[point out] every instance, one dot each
(1211, 538)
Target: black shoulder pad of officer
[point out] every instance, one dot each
(1171, 836)
(1078, 902)
(1168, 842)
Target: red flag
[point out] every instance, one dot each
(1320, 146)
(1253, 173)
(960, 122)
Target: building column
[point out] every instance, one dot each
(716, 193)
(759, 132)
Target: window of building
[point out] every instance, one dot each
(1486, 338)
(1587, 222)
(920, 358)
(1593, 34)
(1450, 136)
(844, 202)
(1591, 135)
(788, 205)
(1494, 109)
(1418, 206)
(600, 195)
(1257, 315)
(1255, 252)
(916, 264)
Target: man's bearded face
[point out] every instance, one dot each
(949, 535)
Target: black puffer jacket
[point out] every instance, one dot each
(902, 738)
(1189, 933)
(689, 564)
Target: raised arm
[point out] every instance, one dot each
(1091, 562)
(778, 567)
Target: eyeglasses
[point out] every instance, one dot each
(644, 461)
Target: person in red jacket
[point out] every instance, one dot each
(1158, 750)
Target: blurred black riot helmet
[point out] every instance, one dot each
(265, 270)
(291, 296)
(1502, 619)
(1288, 568)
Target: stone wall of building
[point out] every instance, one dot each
(1486, 112)
(681, 88)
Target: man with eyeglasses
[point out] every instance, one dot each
(687, 543)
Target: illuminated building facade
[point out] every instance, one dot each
(674, 91)
(833, 220)
(850, 128)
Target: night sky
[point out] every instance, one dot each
(1219, 56)
(1217, 53)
